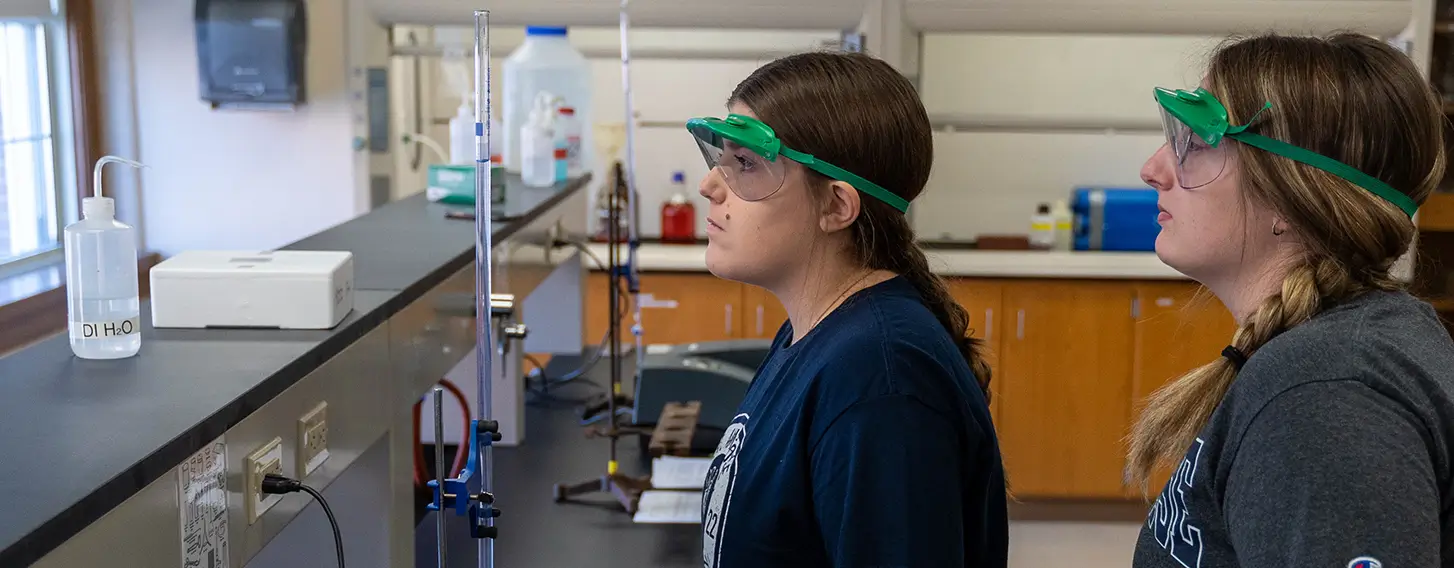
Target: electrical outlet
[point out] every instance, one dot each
(312, 440)
(264, 460)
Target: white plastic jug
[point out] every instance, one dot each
(545, 62)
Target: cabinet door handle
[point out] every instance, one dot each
(1020, 324)
(728, 308)
(759, 319)
(989, 324)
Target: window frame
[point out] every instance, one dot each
(66, 36)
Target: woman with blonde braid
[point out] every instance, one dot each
(1322, 435)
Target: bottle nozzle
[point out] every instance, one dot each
(96, 173)
(427, 142)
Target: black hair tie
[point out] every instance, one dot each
(1235, 355)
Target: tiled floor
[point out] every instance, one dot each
(1056, 544)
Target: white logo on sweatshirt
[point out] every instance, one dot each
(717, 492)
(1170, 519)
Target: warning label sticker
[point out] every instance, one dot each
(202, 480)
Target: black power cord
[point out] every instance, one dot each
(278, 485)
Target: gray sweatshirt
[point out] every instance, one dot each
(1331, 450)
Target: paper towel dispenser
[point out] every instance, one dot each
(251, 52)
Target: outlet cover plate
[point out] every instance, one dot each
(264, 460)
(312, 440)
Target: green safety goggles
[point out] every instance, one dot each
(748, 151)
(1196, 122)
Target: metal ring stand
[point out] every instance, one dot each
(469, 495)
(626, 489)
(463, 494)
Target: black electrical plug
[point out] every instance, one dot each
(278, 485)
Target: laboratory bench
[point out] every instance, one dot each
(130, 462)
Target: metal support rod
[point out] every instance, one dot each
(634, 200)
(439, 473)
(484, 326)
(613, 252)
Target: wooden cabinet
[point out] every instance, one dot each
(982, 299)
(1179, 327)
(1065, 404)
(675, 308)
(762, 313)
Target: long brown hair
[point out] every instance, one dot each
(857, 112)
(1349, 97)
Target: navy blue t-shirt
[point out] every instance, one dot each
(866, 443)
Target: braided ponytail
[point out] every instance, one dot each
(1176, 413)
(911, 263)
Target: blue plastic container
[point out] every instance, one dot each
(1114, 219)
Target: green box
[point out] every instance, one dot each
(450, 183)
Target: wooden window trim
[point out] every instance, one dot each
(29, 319)
(85, 90)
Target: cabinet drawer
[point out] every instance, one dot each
(676, 308)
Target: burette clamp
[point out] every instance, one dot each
(479, 508)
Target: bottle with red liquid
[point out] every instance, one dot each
(678, 216)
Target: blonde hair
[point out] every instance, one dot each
(1351, 98)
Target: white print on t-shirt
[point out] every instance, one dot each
(717, 492)
(1170, 519)
(1365, 562)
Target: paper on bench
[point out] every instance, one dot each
(669, 507)
(672, 472)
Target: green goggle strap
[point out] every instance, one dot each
(1207, 118)
(1335, 167)
(841, 174)
(754, 135)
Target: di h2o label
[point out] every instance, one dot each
(107, 329)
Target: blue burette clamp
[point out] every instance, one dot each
(478, 507)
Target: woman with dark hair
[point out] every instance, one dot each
(865, 438)
(1322, 435)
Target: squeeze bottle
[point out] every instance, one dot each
(561, 145)
(462, 136)
(570, 126)
(102, 299)
(537, 144)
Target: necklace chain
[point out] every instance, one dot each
(840, 298)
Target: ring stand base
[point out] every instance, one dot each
(626, 489)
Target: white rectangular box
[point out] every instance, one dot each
(284, 289)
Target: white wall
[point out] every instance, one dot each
(256, 180)
(116, 74)
(224, 178)
(988, 182)
(983, 182)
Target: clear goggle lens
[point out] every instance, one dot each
(1197, 163)
(749, 175)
